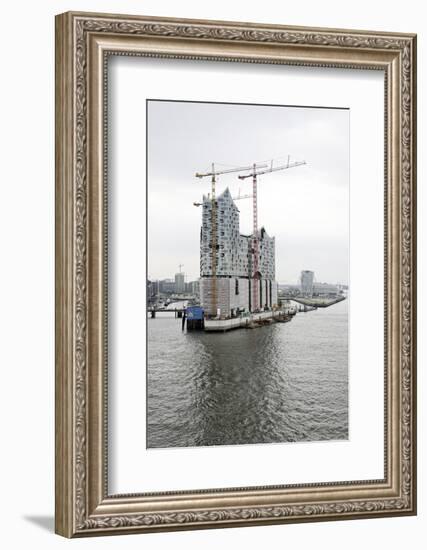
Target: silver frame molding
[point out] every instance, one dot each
(83, 43)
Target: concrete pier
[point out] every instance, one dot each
(222, 325)
(314, 301)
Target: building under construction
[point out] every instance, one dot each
(228, 275)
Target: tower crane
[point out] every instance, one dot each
(256, 171)
(213, 174)
(238, 198)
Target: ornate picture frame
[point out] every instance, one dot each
(83, 43)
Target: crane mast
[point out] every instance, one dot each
(213, 240)
(255, 242)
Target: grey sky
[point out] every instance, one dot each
(305, 208)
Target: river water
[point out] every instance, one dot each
(281, 383)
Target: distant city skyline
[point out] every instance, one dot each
(306, 208)
(189, 280)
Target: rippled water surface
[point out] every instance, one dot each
(280, 383)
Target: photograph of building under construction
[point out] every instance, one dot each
(247, 274)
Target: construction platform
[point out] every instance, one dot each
(315, 301)
(245, 321)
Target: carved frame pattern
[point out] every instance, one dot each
(76, 513)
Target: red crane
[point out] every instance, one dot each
(256, 171)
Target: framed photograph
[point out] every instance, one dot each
(235, 274)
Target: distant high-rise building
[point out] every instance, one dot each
(307, 280)
(180, 283)
(167, 286)
(152, 289)
(193, 287)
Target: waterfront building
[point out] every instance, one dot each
(233, 284)
(318, 289)
(325, 289)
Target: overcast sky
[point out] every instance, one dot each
(305, 208)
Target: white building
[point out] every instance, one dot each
(234, 259)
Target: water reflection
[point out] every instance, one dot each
(280, 383)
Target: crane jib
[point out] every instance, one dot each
(269, 170)
(229, 170)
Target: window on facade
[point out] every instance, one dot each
(236, 287)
